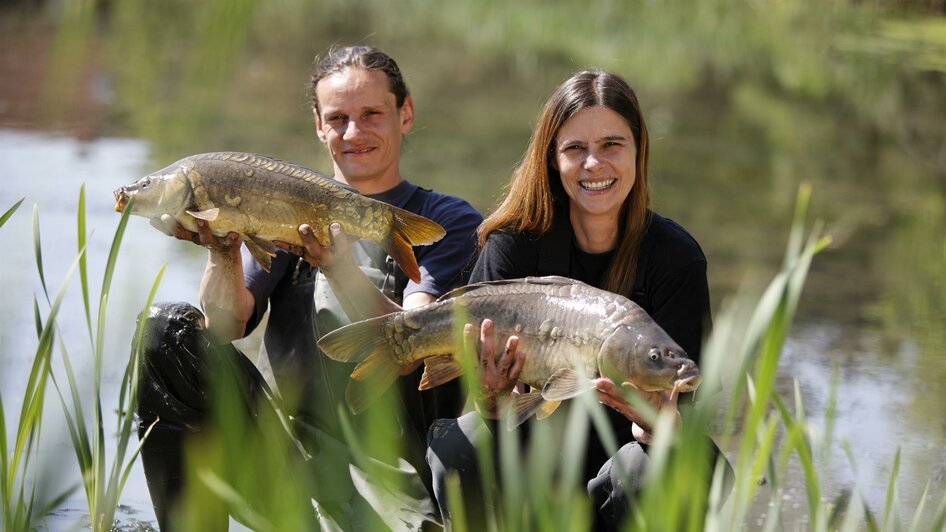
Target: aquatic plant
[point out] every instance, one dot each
(102, 484)
(20, 502)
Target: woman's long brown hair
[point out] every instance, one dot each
(530, 200)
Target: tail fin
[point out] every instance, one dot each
(378, 366)
(370, 379)
(409, 229)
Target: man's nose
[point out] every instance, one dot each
(352, 130)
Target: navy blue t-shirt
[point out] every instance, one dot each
(288, 288)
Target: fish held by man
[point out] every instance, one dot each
(569, 331)
(266, 200)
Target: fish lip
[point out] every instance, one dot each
(121, 199)
(688, 383)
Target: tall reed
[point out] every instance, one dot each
(20, 503)
(101, 483)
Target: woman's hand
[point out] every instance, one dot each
(497, 377)
(611, 395)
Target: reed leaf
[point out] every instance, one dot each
(892, 504)
(939, 519)
(9, 212)
(83, 267)
(38, 252)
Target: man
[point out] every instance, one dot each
(362, 109)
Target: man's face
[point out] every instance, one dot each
(360, 123)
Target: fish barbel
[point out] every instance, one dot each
(570, 332)
(265, 200)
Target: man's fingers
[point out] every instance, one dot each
(339, 239)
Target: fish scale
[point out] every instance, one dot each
(266, 200)
(562, 324)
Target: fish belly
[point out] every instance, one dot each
(554, 332)
(269, 199)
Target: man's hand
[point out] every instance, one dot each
(228, 246)
(498, 377)
(317, 255)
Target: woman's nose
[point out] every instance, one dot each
(592, 161)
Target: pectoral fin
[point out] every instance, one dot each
(564, 384)
(438, 370)
(261, 250)
(208, 215)
(547, 409)
(523, 406)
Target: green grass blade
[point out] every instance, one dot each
(113, 252)
(918, 514)
(37, 317)
(5, 216)
(939, 519)
(27, 435)
(83, 269)
(237, 504)
(120, 468)
(797, 439)
(4, 498)
(891, 506)
(79, 440)
(38, 251)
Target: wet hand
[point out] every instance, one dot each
(228, 245)
(498, 377)
(612, 395)
(313, 252)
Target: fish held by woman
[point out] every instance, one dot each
(266, 200)
(570, 332)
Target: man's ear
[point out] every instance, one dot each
(406, 113)
(318, 125)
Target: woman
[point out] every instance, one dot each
(577, 206)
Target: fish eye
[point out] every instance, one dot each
(654, 354)
(145, 182)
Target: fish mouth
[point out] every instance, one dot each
(595, 185)
(121, 199)
(687, 378)
(687, 384)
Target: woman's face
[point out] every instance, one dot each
(596, 156)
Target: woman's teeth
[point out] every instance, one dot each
(596, 185)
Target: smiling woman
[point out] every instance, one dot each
(594, 155)
(577, 207)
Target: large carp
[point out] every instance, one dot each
(265, 200)
(566, 329)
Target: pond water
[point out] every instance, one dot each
(727, 157)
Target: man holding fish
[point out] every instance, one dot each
(362, 109)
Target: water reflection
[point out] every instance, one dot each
(132, 86)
